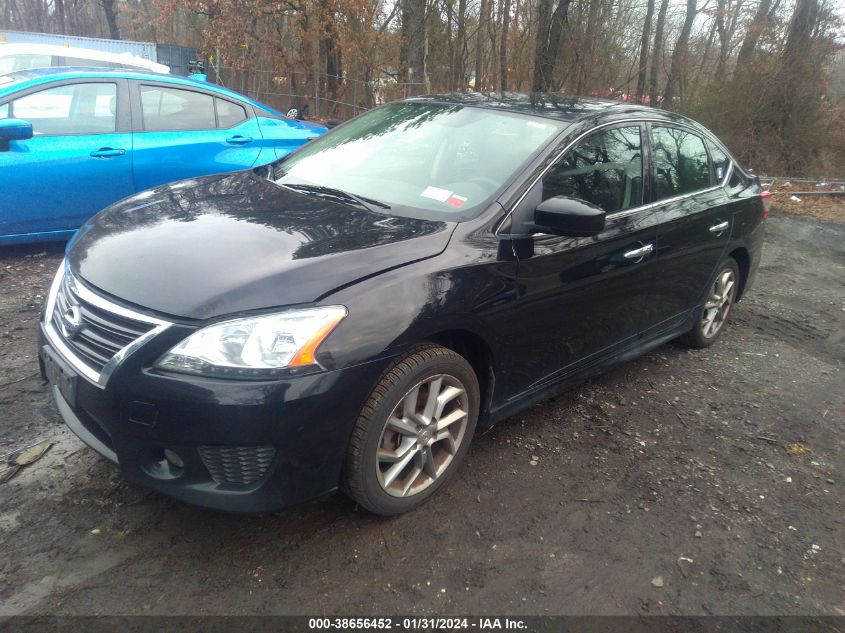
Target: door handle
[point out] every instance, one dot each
(640, 253)
(239, 140)
(108, 152)
(721, 227)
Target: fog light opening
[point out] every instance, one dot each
(161, 463)
(173, 458)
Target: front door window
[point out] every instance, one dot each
(605, 169)
(87, 108)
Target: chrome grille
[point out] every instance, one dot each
(91, 332)
(100, 334)
(237, 464)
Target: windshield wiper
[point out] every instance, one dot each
(362, 201)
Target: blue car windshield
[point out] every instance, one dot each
(429, 160)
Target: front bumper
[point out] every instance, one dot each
(229, 445)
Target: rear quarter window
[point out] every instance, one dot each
(229, 114)
(721, 162)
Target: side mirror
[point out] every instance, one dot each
(14, 130)
(569, 217)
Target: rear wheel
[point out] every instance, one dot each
(413, 432)
(717, 306)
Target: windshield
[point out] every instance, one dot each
(426, 160)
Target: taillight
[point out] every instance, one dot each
(766, 196)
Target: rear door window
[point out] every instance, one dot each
(605, 169)
(173, 109)
(681, 165)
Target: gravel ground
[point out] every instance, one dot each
(684, 482)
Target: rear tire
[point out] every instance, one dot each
(413, 432)
(712, 316)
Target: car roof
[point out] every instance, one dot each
(554, 105)
(26, 78)
(7, 50)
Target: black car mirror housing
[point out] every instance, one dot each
(568, 217)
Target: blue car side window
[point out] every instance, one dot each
(229, 114)
(87, 108)
(172, 109)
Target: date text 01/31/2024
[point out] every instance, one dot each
(416, 624)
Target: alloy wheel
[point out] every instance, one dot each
(422, 435)
(719, 303)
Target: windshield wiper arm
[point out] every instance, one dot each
(367, 203)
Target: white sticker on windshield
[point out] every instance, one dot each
(436, 193)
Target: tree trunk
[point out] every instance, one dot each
(493, 34)
(641, 75)
(503, 46)
(111, 18)
(330, 51)
(414, 32)
(796, 88)
(752, 36)
(450, 45)
(657, 53)
(549, 32)
(458, 81)
(479, 45)
(60, 14)
(798, 39)
(677, 72)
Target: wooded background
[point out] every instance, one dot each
(767, 76)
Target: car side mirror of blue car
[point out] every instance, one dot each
(568, 217)
(13, 130)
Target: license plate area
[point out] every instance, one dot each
(60, 374)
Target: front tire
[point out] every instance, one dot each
(413, 431)
(712, 316)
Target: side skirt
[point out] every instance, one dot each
(595, 368)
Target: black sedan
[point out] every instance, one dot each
(348, 316)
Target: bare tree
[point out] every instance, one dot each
(657, 52)
(414, 35)
(676, 82)
(641, 74)
(549, 33)
(483, 18)
(503, 46)
(460, 49)
(752, 35)
(111, 17)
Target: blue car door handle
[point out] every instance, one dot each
(108, 152)
(239, 140)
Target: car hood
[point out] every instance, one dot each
(218, 245)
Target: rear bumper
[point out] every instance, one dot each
(228, 445)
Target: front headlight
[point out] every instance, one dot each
(255, 347)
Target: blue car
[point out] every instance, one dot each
(72, 141)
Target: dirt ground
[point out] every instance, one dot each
(684, 482)
(806, 199)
